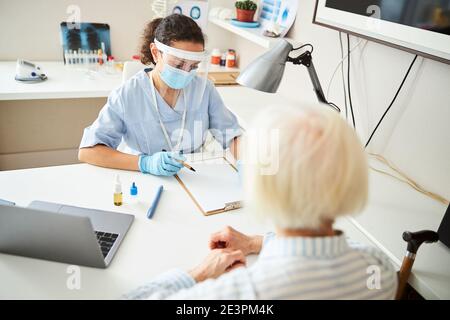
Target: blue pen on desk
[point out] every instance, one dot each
(152, 209)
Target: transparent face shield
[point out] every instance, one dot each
(185, 75)
(183, 70)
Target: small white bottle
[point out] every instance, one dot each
(75, 57)
(118, 197)
(66, 57)
(69, 58)
(72, 57)
(93, 57)
(104, 56)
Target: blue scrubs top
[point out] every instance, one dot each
(129, 114)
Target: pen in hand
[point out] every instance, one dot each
(182, 162)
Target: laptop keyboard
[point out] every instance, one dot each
(106, 241)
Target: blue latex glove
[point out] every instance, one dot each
(161, 163)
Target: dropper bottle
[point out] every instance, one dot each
(133, 194)
(118, 197)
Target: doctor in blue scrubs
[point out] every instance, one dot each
(169, 107)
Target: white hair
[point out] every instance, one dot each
(303, 166)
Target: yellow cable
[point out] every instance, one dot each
(405, 179)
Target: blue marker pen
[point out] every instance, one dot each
(152, 209)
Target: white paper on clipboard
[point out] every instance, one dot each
(215, 186)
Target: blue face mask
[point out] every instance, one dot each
(176, 78)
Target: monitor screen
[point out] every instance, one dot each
(419, 26)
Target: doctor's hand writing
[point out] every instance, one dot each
(161, 163)
(218, 262)
(232, 239)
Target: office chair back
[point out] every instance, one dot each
(130, 68)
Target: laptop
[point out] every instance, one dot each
(62, 233)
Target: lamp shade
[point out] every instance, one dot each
(266, 71)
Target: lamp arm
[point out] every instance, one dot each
(316, 84)
(306, 60)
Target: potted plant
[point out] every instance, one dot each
(245, 10)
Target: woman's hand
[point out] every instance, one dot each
(232, 239)
(217, 263)
(161, 163)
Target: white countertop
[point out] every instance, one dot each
(65, 82)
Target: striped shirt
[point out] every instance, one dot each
(289, 268)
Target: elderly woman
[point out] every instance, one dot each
(318, 172)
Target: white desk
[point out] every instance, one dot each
(178, 234)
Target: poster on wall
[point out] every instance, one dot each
(196, 9)
(281, 12)
(86, 36)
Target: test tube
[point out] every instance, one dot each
(66, 56)
(70, 57)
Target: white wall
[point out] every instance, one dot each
(30, 29)
(416, 133)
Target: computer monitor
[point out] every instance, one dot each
(419, 26)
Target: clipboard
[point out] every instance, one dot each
(214, 188)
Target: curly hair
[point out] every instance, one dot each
(175, 27)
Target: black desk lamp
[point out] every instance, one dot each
(266, 71)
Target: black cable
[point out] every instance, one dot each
(305, 45)
(342, 75)
(392, 102)
(335, 107)
(348, 81)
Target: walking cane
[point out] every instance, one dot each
(414, 240)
